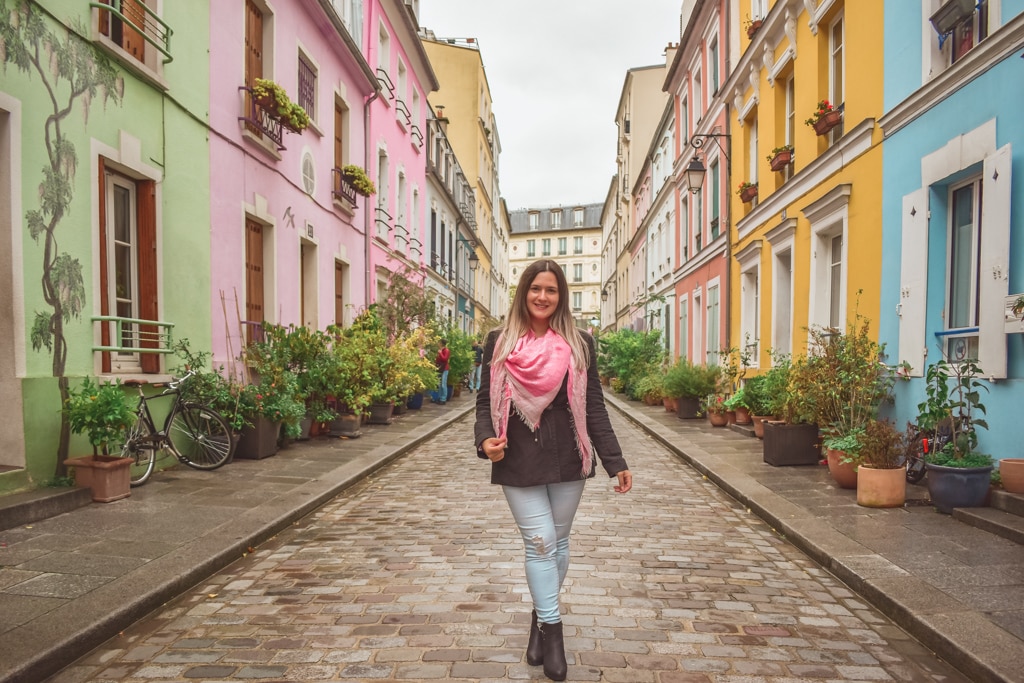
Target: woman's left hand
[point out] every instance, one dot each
(625, 481)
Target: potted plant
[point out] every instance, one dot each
(780, 157)
(747, 191)
(740, 404)
(793, 438)
(881, 474)
(752, 26)
(957, 474)
(359, 180)
(689, 383)
(104, 413)
(825, 118)
(275, 100)
(713, 405)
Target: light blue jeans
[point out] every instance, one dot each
(441, 394)
(544, 516)
(474, 377)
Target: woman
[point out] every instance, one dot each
(540, 417)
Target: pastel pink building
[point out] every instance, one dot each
(288, 231)
(395, 151)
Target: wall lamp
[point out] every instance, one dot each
(695, 170)
(604, 295)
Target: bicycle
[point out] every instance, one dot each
(925, 441)
(193, 433)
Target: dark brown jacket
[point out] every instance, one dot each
(549, 455)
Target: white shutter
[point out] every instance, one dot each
(994, 271)
(913, 281)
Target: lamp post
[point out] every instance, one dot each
(695, 170)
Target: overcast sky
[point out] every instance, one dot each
(556, 69)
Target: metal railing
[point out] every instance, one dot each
(342, 187)
(149, 25)
(133, 333)
(385, 81)
(263, 119)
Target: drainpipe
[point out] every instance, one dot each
(368, 208)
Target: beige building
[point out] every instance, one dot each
(571, 236)
(464, 99)
(641, 105)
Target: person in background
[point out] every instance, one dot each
(478, 361)
(441, 361)
(540, 419)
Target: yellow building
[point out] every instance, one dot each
(806, 247)
(464, 99)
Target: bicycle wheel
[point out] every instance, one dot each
(915, 457)
(134, 445)
(199, 436)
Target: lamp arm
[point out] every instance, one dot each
(699, 140)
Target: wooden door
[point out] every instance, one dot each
(253, 277)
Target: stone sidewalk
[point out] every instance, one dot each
(71, 582)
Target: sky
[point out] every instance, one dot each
(556, 69)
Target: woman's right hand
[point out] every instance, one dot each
(494, 448)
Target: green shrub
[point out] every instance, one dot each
(688, 380)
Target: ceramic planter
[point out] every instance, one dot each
(791, 444)
(1011, 470)
(258, 441)
(844, 474)
(107, 475)
(748, 194)
(742, 416)
(957, 487)
(758, 422)
(415, 402)
(781, 160)
(877, 488)
(719, 419)
(380, 413)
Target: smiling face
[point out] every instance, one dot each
(542, 298)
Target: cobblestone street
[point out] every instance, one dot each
(416, 574)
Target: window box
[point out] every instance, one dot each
(781, 157)
(747, 192)
(753, 27)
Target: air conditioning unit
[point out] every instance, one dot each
(951, 14)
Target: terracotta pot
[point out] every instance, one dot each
(1011, 470)
(877, 488)
(718, 419)
(108, 476)
(844, 474)
(670, 404)
(827, 122)
(730, 415)
(742, 416)
(758, 421)
(781, 161)
(748, 194)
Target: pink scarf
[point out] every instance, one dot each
(530, 378)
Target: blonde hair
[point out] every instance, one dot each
(561, 321)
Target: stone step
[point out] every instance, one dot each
(998, 522)
(1008, 502)
(17, 509)
(745, 430)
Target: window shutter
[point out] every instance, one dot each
(914, 281)
(994, 270)
(104, 296)
(148, 305)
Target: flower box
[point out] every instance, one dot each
(258, 441)
(827, 122)
(108, 476)
(781, 160)
(791, 444)
(752, 27)
(748, 193)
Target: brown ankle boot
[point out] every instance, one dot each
(534, 649)
(555, 666)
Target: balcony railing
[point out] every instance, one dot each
(416, 134)
(261, 120)
(341, 187)
(146, 23)
(134, 335)
(403, 111)
(383, 221)
(385, 81)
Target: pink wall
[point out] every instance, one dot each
(247, 180)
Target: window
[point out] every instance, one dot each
(340, 143)
(969, 32)
(340, 278)
(562, 246)
(307, 86)
(698, 98)
(684, 116)
(835, 280)
(713, 65)
(716, 198)
(308, 294)
(531, 248)
(435, 257)
(827, 295)
(684, 333)
(714, 323)
(749, 261)
(758, 9)
(256, 244)
(556, 220)
(577, 245)
(534, 221)
(546, 247)
(135, 28)
(963, 258)
(577, 272)
(577, 218)
(781, 240)
(577, 301)
(837, 73)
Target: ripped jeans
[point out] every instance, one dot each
(544, 515)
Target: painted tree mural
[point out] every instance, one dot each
(71, 72)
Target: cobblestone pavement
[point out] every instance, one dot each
(416, 574)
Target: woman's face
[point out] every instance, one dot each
(542, 297)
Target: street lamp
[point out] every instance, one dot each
(474, 261)
(695, 169)
(604, 295)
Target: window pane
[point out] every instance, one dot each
(835, 281)
(961, 244)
